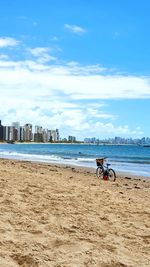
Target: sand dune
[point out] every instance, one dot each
(65, 217)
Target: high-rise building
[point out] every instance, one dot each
(16, 125)
(10, 133)
(6, 133)
(54, 135)
(45, 136)
(57, 135)
(28, 135)
(1, 132)
(38, 129)
(71, 139)
(22, 133)
(38, 137)
(49, 136)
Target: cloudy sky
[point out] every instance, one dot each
(78, 65)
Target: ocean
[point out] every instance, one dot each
(123, 158)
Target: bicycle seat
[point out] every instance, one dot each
(108, 164)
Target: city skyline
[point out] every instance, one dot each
(25, 133)
(36, 133)
(79, 66)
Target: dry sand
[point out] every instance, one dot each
(65, 217)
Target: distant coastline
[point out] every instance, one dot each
(69, 143)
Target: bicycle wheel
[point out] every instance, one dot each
(111, 175)
(99, 172)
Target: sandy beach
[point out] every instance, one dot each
(65, 217)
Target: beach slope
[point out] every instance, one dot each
(65, 217)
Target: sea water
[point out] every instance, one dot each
(123, 158)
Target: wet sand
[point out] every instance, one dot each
(65, 217)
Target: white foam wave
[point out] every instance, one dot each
(48, 158)
(139, 169)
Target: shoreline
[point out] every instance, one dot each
(120, 173)
(138, 168)
(54, 215)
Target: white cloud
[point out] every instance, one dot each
(8, 41)
(38, 51)
(3, 57)
(108, 129)
(42, 53)
(75, 28)
(66, 96)
(97, 113)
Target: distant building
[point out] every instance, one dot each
(45, 136)
(38, 135)
(64, 140)
(1, 132)
(6, 133)
(90, 140)
(53, 135)
(9, 133)
(28, 135)
(16, 125)
(38, 129)
(71, 139)
(22, 133)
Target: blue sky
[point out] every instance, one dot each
(78, 65)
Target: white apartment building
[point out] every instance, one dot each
(9, 133)
(38, 129)
(28, 135)
(6, 133)
(54, 135)
(16, 125)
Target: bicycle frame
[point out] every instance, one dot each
(104, 172)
